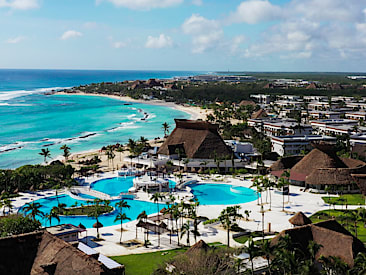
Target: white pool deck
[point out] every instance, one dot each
(299, 201)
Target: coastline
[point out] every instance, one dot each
(194, 112)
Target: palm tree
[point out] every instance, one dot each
(141, 217)
(53, 214)
(176, 215)
(252, 251)
(66, 150)
(156, 197)
(120, 150)
(165, 128)
(286, 174)
(34, 210)
(185, 230)
(266, 249)
(228, 218)
(96, 212)
(46, 154)
(121, 217)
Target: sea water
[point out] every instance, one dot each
(31, 120)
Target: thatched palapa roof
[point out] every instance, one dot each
(334, 238)
(299, 219)
(197, 139)
(259, 114)
(198, 247)
(42, 253)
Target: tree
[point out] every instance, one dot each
(96, 212)
(142, 217)
(34, 210)
(17, 224)
(252, 251)
(46, 154)
(266, 249)
(185, 231)
(166, 129)
(228, 218)
(66, 151)
(120, 215)
(54, 214)
(156, 198)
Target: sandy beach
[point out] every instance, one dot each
(118, 162)
(195, 112)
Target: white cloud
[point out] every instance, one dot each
(144, 4)
(197, 2)
(162, 41)
(70, 34)
(119, 44)
(206, 33)
(90, 25)
(15, 40)
(19, 4)
(307, 28)
(254, 11)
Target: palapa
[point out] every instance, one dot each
(299, 219)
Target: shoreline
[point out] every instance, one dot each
(195, 112)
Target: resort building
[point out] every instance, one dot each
(333, 238)
(194, 139)
(42, 253)
(356, 105)
(322, 168)
(321, 114)
(356, 115)
(66, 232)
(279, 127)
(320, 126)
(294, 145)
(262, 99)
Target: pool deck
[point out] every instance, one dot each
(298, 201)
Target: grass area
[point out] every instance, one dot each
(141, 264)
(244, 238)
(343, 217)
(86, 210)
(350, 199)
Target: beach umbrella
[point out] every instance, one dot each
(31, 188)
(15, 191)
(81, 226)
(97, 225)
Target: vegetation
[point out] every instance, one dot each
(17, 224)
(151, 261)
(347, 199)
(36, 177)
(353, 220)
(86, 210)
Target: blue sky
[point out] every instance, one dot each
(209, 35)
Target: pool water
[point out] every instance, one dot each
(136, 207)
(222, 194)
(113, 186)
(207, 194)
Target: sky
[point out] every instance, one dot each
(192, 35)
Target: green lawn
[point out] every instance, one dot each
(341, 217)
(244, 238)
(86, 210)
(350, 199)
(146, 263)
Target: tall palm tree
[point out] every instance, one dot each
(286, 174)
(266, 249)
(54, 214)
(165, 128)
(120, 150)
(252, 251)
(176, 216)
(228, 217)
(66, 152)
(34, 210)
(156, 198)
(141, 217)
(45, 153)
(121, 217)
(185, 231)
(96, 212)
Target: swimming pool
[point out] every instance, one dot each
(222, 194)
(107, 220)
(115, 186)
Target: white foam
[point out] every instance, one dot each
(7, 95)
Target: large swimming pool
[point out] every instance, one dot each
(207, 194)
(222, 194)
(107, 220)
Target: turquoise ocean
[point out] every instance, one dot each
(31, 120)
